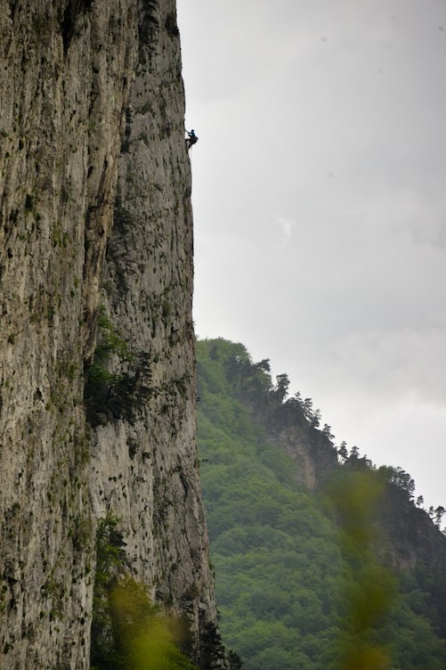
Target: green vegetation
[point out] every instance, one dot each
(118, 379)
(128, 632)
(298, 581)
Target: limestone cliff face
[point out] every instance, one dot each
(146, 465)
(91, 132)
(310, 450)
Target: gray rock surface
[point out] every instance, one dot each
(91, 132)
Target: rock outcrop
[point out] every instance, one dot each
(95, 219)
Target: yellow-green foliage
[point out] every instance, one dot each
(371, 594)
(145, 637)
(128, 632)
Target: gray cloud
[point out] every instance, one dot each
(320, 206)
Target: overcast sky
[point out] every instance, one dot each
(319, 193)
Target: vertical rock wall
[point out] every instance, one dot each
(69, 103)
(63, 74)
(145, 464)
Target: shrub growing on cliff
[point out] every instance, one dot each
(115, 392)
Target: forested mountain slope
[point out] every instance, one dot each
(322, 561)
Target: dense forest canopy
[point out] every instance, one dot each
(319, 560)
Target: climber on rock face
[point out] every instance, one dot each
(192, 139)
